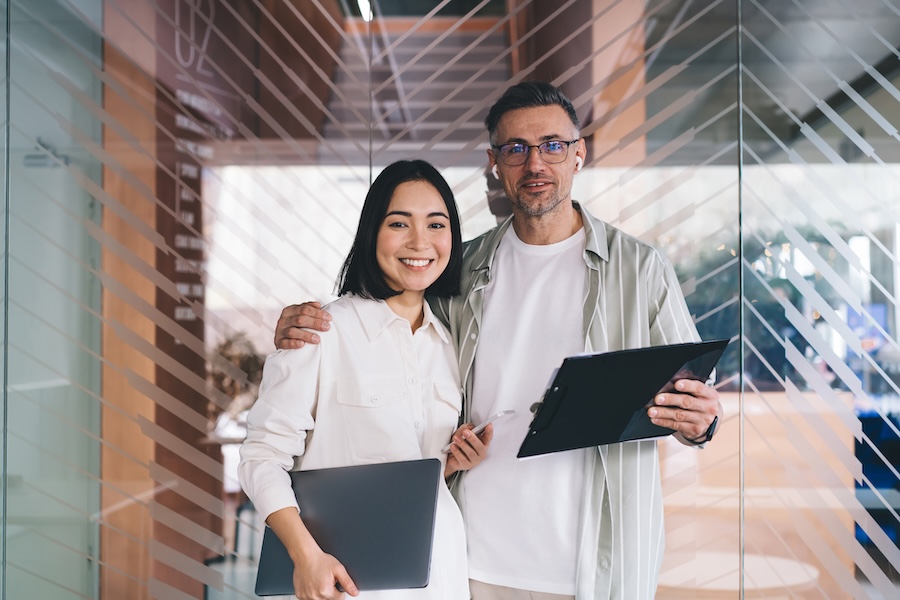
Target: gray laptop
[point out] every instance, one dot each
(378, 520)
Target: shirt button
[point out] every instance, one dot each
(418, 424)
(373, 400)
(412, 379)
(473, 336)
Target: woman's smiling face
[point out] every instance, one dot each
(414, 240)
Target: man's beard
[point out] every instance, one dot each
(547, 203)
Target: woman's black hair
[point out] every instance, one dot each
(528, 94)
(360, 274)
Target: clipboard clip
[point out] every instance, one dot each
(546, 408)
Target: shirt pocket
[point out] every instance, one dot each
(377, 420)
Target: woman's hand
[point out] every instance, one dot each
(317, 576)
(467, 449)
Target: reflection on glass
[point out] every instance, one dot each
(179, 171)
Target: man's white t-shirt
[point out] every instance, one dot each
(522, 515)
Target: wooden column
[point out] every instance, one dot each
(619, 72)
(130, 184)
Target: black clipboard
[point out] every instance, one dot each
(377, 519)
(597, 399)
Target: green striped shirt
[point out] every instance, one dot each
(631, 299)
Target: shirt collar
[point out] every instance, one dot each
(594, 232)
(484, 248)
(376, 316)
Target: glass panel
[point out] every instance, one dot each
(820, 294)
(281, 211)
(4, 221)
(53, 368)
(656, 90)
(682, 196)
(180, 170)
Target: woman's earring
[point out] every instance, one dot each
(495, 172)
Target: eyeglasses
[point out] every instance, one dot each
(552, 152)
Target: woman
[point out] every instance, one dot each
(383, 384)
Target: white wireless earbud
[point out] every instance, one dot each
(495, 172)
(578, 163)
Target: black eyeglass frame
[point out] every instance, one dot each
(543, 155)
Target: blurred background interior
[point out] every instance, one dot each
(177, 171)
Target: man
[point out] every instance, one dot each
(550, 282)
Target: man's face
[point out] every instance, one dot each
(537, 187)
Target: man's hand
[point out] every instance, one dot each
(467, 449)
(291, 330)
(689, 411)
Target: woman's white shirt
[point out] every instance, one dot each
(372, 391)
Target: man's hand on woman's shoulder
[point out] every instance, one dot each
(295, 321)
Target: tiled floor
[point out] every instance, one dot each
(239, 571)
(239, 578)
